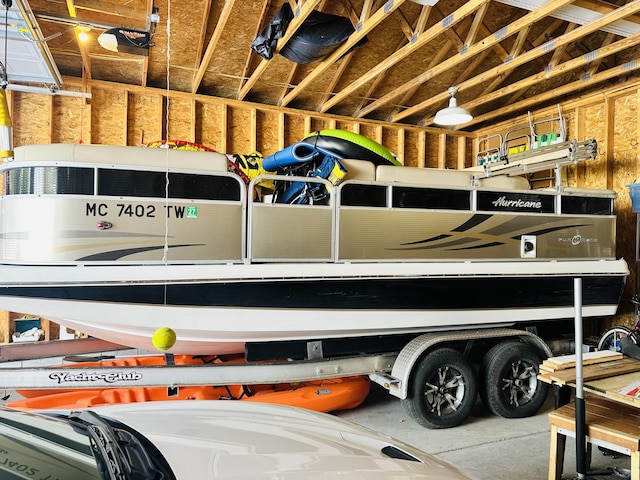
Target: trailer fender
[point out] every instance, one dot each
(398, 381)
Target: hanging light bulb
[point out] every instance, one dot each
(83, 33)
(453, 114)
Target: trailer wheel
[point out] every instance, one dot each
(443, 390)
(509, 384)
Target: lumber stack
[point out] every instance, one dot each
(600, 364)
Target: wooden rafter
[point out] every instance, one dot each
(421, 24)
(476, 24)
(579, 62)
(86, 62)
(374, 20)
(213, 42)
(464, 11)
(302, 12)
(515, 51)
(542, 38)
(475, 49)
(552, 94)
(247, 63)
(622, 12)
(114, 9)
(145, 62)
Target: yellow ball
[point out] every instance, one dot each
(163, 338)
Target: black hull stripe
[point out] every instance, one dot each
(368, 294)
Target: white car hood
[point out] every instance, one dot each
(204, 440)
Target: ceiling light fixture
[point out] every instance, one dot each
(453, 114)
(83, 33)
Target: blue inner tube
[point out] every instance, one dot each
(346, 144)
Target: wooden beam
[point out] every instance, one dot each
(224, 126)
(464, 11)
(610, 132)
(374, 20)
(213, 42)
(422, 149)
(434, 61)
(442, 150)
(476, 24)
(582, 61)
(145, 62)
(281, 130)
(100, 6)
(71, 8)
(253, 127)
(475, 49)
(419, 28)
(259, 27)
(344, 64)
(537, 52)
(515, 51)
(462, 153)
(86, 64)
(401, 142)
(603, 8)
(289, 81)
(301, 14)
(555, 93)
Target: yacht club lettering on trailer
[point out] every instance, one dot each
(106, 377)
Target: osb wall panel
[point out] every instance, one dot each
(611, 118)
(180, 118)
(31, 118)
(267, 122)
(239, 130)
(131, 115)
(109, 117)
(71, 120)
(211, 131)
(143, 119)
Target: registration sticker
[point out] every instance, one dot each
(192, 212)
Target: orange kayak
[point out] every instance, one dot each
(320, 395)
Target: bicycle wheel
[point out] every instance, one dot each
(610, 339)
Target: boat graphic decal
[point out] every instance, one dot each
(474, 247)
(472, 222)
(553, 229)
(489, 239)
(118, 254)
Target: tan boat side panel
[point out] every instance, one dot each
(290, 232)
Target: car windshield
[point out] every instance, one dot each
(79, 446)
(35, 446)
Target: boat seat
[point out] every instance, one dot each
(588, 191)
(505, 182)
(359, 169)
(423, 176)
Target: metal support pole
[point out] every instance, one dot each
(581, 440)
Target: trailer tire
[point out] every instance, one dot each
(443, 390)
(509, 384)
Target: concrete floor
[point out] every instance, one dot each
(487, 446)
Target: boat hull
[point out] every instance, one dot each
(217, 309)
